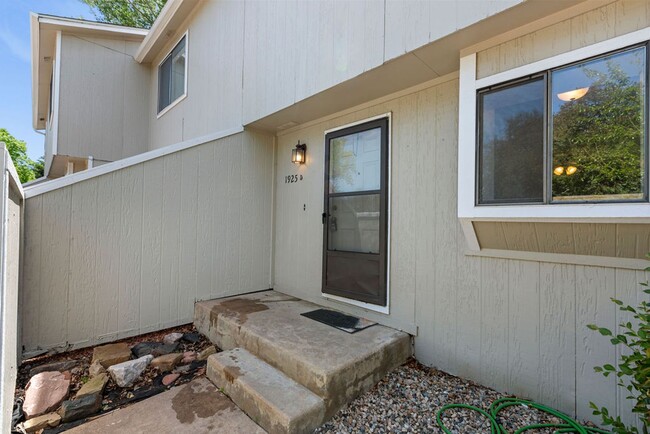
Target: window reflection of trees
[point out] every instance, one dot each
(601, 134)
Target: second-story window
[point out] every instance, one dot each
(171, 76)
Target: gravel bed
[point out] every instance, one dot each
(407, 399)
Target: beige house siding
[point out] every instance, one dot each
(412, 24)
(593, 239)
(214, 81)
(614, 19)
(104, 97)
(249, 59)
(518, 326)
(131, 251)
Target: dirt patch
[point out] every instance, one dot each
(238, 308)
(190, 404)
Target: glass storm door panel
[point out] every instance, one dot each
(355, 217)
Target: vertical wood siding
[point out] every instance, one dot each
(131, 251)
(606, 22)
(214, 81)
(518, 326)
(412, 24)
(104, 99)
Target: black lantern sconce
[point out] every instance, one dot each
(299, 153)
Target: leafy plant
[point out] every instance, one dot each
(633, 369)
(26, 168)
(132, 13)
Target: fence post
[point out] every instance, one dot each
(11, 203)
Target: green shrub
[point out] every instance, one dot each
(633, 370)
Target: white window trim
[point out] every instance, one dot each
(172, 104)
(468, 211)
(369, 306)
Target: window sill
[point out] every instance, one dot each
(172, 105)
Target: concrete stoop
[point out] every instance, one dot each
(273, 400)
(289, 373)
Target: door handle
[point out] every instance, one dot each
(324, 215)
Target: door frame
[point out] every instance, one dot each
(369, 306)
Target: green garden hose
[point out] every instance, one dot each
(568, 425)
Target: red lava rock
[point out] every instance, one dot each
(44, 393)
(200, 371)
(170, 378)
(188, 357)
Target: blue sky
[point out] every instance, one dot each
(15, 72)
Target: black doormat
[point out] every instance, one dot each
(341, 321)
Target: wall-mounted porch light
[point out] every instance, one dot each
(299, 153)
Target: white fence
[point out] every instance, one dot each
(11, 203)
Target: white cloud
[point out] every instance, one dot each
(19, 47)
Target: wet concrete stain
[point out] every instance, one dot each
(232, 373)
(190, 404)
(238, 308)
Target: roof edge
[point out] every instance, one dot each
(174, 12)
(77, 23)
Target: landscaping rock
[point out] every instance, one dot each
(165, 349)
(80, 408)
(49, 420)
(96, 369)
(170, 378)
(125, 373)
(65, 365)
(172, 338)
(192, 338)
(167, 362)
(111, 354)
(154, 348)
(94, 386)
(204, 354)
(182, 369)
(144, 348)
(44, 393)
(188, 357)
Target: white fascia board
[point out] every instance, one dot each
(54, 142)
(126, 162)
(35, 47)
(158, 29)
(468, 211)
(72, 23)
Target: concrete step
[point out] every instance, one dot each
(334, 365)
(274, 401)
